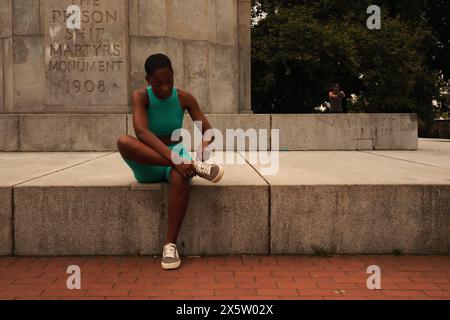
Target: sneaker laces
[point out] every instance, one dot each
(203, 168)
(169, 251)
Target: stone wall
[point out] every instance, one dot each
(47, 68)
(440, 129)
(5, 45)
(297, 132)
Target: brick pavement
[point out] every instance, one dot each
(228, 278)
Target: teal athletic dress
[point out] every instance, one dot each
(164, 116)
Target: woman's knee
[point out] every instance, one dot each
(123, 142)
(177, 181)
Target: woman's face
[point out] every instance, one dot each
(162, 83)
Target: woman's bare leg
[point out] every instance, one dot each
(133, 149)
(178, 203)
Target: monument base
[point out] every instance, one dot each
(375, 202)
(297, 132)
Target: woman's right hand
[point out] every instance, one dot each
(187, 170)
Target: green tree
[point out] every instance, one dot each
(301, 47)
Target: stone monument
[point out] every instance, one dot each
(50, 68)
(77, 80)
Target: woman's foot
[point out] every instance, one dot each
(209, 171)
(170, 258)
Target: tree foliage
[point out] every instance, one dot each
(301, 47)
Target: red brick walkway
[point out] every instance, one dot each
(248, 277)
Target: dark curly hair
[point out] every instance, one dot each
(156, 62)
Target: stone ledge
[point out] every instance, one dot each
(99, 132)
(360, 219)
(335, 202)
(17, 168)
(96, 208)
(378, 131)
(62, 132)
(6, 221)
(361, 202)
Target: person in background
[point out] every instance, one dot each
(335, 97)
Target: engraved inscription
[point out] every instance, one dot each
(86, 52)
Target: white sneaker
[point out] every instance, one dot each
(170, 258)
(209, 171)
